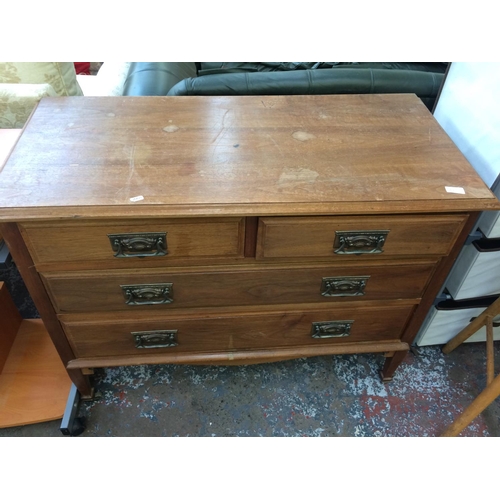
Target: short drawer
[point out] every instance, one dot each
(231, 332)
(344, 237)
(160, 240)
(239, 286)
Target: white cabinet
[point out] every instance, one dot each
(469, 111)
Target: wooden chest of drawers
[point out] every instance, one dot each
(234, 229)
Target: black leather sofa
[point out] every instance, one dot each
(285, 78)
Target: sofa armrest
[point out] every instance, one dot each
(17, 101)
(156, 78)
(108, 81)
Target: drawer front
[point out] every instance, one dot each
(162, 240)
(223, 333)
(185, 288)
(349, 237)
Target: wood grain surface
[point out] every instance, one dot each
(251, 192)
(215, 331)
(244, 357)
(235, 286)
(34, 385)
(153, 156)
(191, 239)
(313, 237)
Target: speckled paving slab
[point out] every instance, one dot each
(324, 396)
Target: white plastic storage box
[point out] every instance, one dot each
(449, 317)
(476, 272)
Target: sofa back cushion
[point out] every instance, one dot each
(17, 101)
(325, 81)
(61, 76)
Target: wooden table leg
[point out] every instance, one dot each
(391, 364)
(490, 352)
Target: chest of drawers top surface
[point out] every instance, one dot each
(238, 155)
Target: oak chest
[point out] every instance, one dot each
(234, 229)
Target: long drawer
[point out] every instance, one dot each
(163, 240)
(348, 237)
(241, 285)
(230, 332)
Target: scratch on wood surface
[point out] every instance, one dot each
(276, 144)
(131, 172)
(222, 126)
(131, 164)
(219, 136)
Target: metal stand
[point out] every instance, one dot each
(71, 425)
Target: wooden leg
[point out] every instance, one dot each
(82, 383)
(472, 327)
(474, 409)
(34, 284)
(391, 364)
(490, 352)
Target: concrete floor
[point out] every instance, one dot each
(322, 396)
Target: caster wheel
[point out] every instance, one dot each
(77, 427)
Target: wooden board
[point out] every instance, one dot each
(205, 332)
(34, 385)
(91, 291)
(103, 157)
(314, 237)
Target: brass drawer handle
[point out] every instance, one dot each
(359, 242)
(330, 329)
(148, 294)
(139, 244)
(155, 339)
(343, 286)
